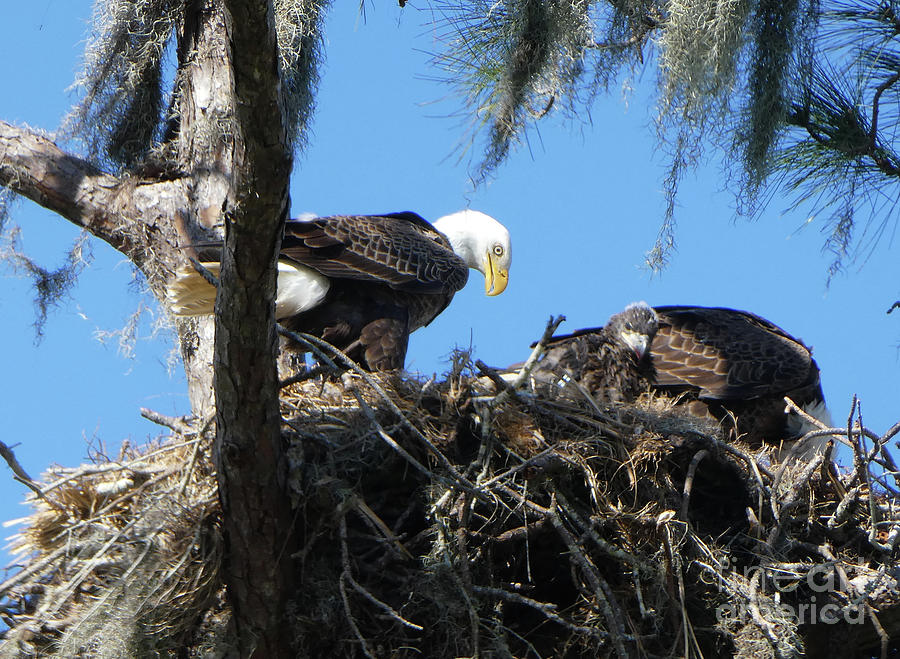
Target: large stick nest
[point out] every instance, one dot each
(440, 519)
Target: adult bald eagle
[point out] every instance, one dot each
(364, 282)
(730, 365)
(733, 364)
(612, 363)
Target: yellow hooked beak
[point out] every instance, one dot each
(495, 279)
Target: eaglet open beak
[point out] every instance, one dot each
(495, 278)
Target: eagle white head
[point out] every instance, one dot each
(483, 243)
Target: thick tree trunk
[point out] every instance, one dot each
(232, 159)
(257, 516)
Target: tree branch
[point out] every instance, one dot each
(135, 216)
(861, 149)
(35, 167)
(876, 104)
(21, 475)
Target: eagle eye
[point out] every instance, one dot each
(498, 249)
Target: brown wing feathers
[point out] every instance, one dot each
(406, 254)
(386, 276)
(720, 362)
(389, 275)
(725, 353)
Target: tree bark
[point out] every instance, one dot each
(133, 215)
(257, 514)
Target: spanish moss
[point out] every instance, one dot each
(512, 62)
(120, 114)
(126, 78)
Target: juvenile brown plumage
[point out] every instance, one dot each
(610, 363)
(364, 282)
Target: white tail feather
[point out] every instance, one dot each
(190, 294)
(299, 289)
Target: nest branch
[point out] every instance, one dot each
(787, 503)
(21, 475)
(321, 346)
(175, 424)
(689, 482)
(545, 609)
(604, 598)
(347, 575)
(538, 350)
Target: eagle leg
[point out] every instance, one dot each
(384, 342)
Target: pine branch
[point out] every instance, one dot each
(860, 149)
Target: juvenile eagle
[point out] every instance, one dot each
(611, 363)
(364, 282)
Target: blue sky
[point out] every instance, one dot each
(582, 200)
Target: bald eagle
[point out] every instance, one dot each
(612, 363)
(730, 365)
(364, 282)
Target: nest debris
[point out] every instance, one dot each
(119, 558)
(441, 519)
